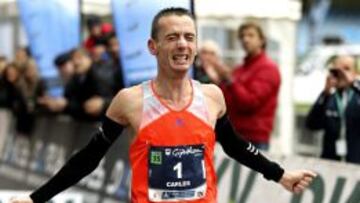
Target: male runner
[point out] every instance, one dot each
(176, 122)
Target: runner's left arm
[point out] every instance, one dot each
(244, 152)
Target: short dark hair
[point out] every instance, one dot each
(168, 12)
(256, 27)
(93, 20)
(62, 58)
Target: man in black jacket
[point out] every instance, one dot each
(337, 111)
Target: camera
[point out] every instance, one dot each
(335, 72)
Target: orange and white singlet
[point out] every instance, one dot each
(172, 154)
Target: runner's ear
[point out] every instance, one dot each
(152, 47)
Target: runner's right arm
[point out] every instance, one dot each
(82, 163)
(88, 158)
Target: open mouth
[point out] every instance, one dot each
(180, 58)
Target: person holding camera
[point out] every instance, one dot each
(337, 112)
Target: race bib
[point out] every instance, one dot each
(176, 173)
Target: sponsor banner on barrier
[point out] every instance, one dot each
(28, 164)
(5, 197)
(336, 182)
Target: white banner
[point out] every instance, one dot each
(336, 182)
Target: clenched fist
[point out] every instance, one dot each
(297, 181)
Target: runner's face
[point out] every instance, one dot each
(175, 46)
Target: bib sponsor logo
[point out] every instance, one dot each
(179, 152)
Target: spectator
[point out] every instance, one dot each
(251, 89)
(3, 64)
(79, 88)
(107, 76)
(15, 103)
(94, 27)
(22, 56)
(84, 101)
(32, 88)
(104, 75)
(66, 71)
(207, 73)
(337, 112)
(13, 99)
(113, 50)
(65, 66)
(98, 52)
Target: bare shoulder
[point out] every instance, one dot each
(215, 96)
(212, 90)
(126, 100)
(127, 95)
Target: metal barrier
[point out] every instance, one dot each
(307, 143)
(28, 163)
(6, 128)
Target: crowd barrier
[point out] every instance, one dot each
(6, 127)
(336, 182)
(26, 164)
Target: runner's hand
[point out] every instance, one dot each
(297, 181)
(23, 199)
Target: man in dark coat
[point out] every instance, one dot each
(337, 112)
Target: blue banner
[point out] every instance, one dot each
(52, 27)
(133, 23)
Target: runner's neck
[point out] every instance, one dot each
(176, 93)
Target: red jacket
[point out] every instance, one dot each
(251, 97)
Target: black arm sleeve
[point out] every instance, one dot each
(244, 152)
(80, 164)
